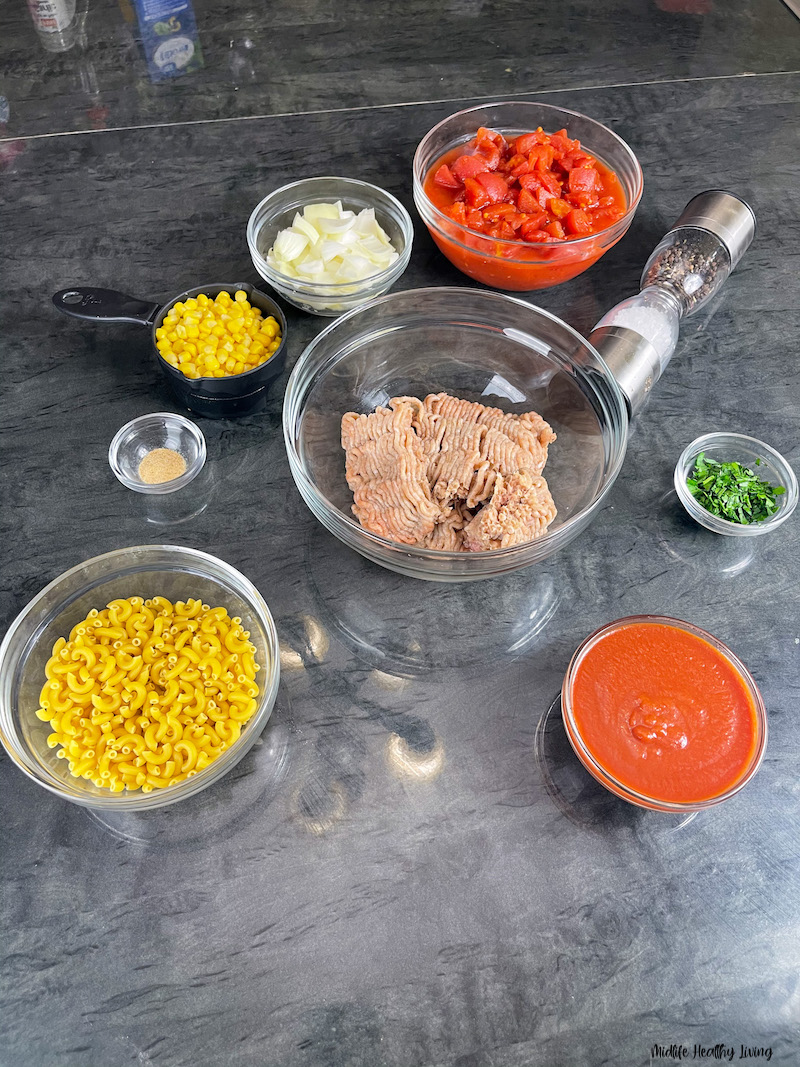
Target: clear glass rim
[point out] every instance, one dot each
(217, 769)
(159, 488)
(331, 289)
(788, 501)
(606, 777)
(437, 217)
(352, 532)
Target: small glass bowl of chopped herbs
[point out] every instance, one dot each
(735, 485)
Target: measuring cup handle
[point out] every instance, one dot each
(105, 305)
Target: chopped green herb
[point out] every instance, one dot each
(733, 492)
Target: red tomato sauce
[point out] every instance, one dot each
(537, 187)
(665, 713)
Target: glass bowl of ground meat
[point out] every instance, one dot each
(453, 434)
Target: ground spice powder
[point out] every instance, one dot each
(161, 465)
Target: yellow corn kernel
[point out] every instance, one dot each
(191, 303)
(202, 300)
(238, 367)
(240, 296)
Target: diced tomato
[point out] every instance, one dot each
(563, 144)
(501, 231)
(551, 183)
(458, 212)
(445, 177)
(583, 180)
(475, 193)
(578, 223)
(606, 217)
(497, 211)
(468, 166)
(538, 187)
(541, 157)
(528, 141)
(558, 207)
(494, 136)
(495, 186)
(527, 202)
(572, 160)
(535, 221)
(491, 154)
(533, 182)
(536, 236)
(541, 181)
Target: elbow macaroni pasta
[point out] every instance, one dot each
(145, 694)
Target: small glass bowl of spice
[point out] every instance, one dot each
(158, 453)
(735, 485)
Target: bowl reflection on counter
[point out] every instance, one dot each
(146, 570)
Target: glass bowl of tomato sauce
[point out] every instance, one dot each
(663, 714)
(542, 194)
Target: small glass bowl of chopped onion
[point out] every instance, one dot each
(328, 245)
(766, 464)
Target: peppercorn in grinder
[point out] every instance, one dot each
(688, 266)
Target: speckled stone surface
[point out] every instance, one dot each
(321, 906)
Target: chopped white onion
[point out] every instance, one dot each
(328, 245)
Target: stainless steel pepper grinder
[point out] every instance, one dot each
(688, 266)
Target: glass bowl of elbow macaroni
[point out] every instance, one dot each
(138, 678)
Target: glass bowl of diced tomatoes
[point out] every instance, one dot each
(522, 195)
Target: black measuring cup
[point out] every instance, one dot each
(216, 398)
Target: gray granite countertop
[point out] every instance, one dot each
(322, 907)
